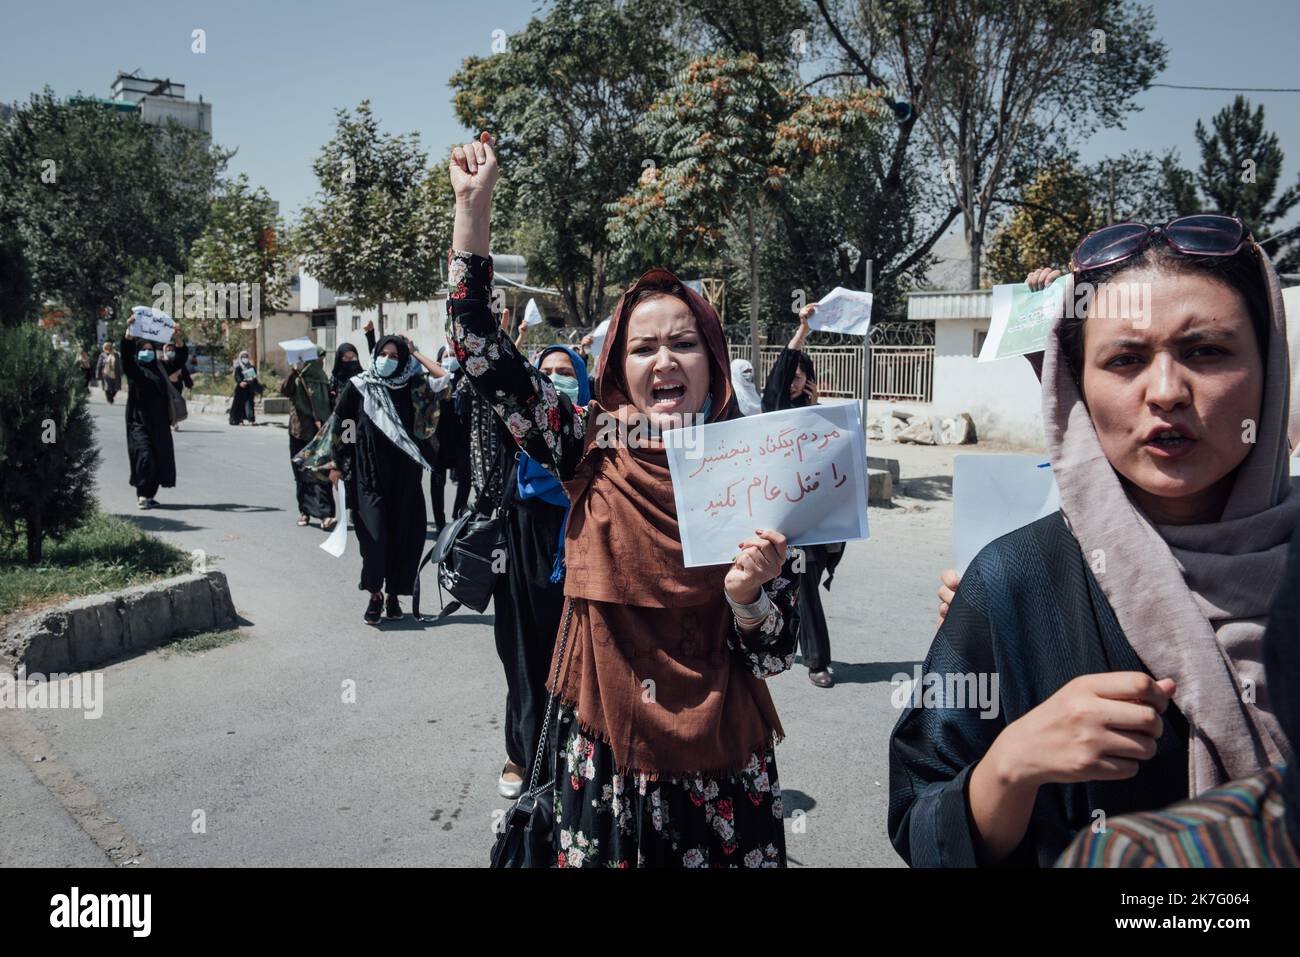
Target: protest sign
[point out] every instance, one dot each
(337, 542)
(842, 310)
(996, 494)
(298, 350)
(152, 324)
(598, 339)
(532, 315)
(802, 472)
(1022, 319)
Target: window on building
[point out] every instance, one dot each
(412, 319)
(979, 341)
(356, 321)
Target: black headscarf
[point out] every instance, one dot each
(151, 372)
(403, 351)
(343, 370)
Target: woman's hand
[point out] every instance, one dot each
(811, 392)
(948, 582)
(335, 475)
(369, 326)
(797, 340)
(759, 561)
(1095, 728)
(1042, 278)
(474, 171)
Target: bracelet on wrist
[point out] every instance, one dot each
(756, 610)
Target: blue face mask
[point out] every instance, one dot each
(385, 366)
(451, 364)
(145, 355)
(566, 384)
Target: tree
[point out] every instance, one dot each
(980, 74)
(372, 233)
(1241, 171)
(1055, 212)
(564, 99)
(47, 446)
(729, 130)
(96, 195)
(240, 248)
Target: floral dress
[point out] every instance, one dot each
(604, 818)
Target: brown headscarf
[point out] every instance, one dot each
(647, 664)
(1192, 599)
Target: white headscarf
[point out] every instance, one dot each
(742, 383)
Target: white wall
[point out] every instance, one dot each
(1004, 398)
(429, 332)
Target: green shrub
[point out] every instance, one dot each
(47, 446)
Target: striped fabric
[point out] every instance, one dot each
(1241, 824)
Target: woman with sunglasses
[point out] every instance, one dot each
(1125, 629)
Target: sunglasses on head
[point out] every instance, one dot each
(1203, 234)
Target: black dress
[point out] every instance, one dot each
(814, 635)
(148, 423)
(1030, 612)
(389, 509)
(242, 406)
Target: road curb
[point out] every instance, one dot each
(88, 632)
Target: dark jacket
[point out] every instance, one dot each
(1030, 611)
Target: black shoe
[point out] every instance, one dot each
(373, 609)
(392, 610)
(822, 679)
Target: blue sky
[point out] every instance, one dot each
(276, 72)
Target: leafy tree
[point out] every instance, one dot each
(96, 194)
(564, 99)
(980, 74)
(47, 446)
(730, 130)
(372, 232)
(241, 245)
(1055, 211)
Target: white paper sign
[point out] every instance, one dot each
(337, 543)
(802, 472)
(532, 315)
(299, 350)
(1022, 319)
(996, 494)
(152, 324)
(843, 310)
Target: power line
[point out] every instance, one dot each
(1231, 89)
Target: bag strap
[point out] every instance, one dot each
(550, 697)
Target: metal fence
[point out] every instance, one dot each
(898, 373)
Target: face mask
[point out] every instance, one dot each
(385, 366)
(451, 364)
(566, 384)
(169, 356)
(145, 355)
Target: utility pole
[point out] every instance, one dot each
(866, 354)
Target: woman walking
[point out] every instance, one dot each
(529, 597)
(666, 728)
(374, 436)
(792, 384)
(108, 370)
(246, 389)
(308, 392)
(148, 420)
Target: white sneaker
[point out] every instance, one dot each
(141, 502)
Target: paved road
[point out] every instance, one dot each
(257, 736)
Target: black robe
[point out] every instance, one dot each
(389, 506)
(1030, 611)
(814, 635)
(148, 423)
(180, 364)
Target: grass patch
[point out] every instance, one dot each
(206, 383)
(105, 554)
(197, 644)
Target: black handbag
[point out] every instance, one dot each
(468, 552)
(526, 835)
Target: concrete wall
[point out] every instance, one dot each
(428, 332)
(1004, 398)
(277, 327)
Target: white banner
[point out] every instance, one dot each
(152, 324)
(996, 494)
(802, 472)
(843, 310)
(1021, 319)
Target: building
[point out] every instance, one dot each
(160, 100)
